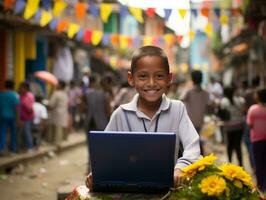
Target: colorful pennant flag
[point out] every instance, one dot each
(46, 4)
(106, 38)
(53, 24)
(105, 11)
(137, 13)
(194, 12)
(167, 13)
(96, 37)
(37, 16)
(191, 35)
(87, 36)
(62, 26)
(59, 6)
(94, 10)
(114, 39)
(208, 29)
(150, 12)
(205, 12)
(123, 11)
(123, 42)
(182, 13)
(72, 29)
(46, 17)
(217, 12)
(31, 8)
(80, 34)
(8, 4)
(19, 6)
(80, 9)
(224, 19)
(147, 40)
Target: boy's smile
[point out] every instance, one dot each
(151, 79)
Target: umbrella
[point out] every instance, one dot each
(47, 77)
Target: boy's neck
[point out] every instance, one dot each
(148, 108)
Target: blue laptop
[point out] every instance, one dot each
(132, 161)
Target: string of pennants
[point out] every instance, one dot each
(48, 12)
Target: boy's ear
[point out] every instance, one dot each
(170, 78)
(130, 79)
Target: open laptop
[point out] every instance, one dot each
(132, 161)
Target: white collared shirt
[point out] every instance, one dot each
(173, 118)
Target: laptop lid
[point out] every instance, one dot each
(133, 159)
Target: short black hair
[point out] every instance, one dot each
(9, 84)
(262, 95)
(196, 76)
(149, 51)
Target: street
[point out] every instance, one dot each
(41, 178)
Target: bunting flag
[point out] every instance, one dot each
(114, 39)
(106, 38)
(179, 38)
(194, 12)
(235, 11)
(217, 12)
(169, 39)
(182, 13)
(94, 10)
(136, 41)
(123, 42)
(150, 12)
(224, 19)
(80, 9)
(130, 42)
(46, 17)
(8, 4)
(155, 41)
(62, 26)
(59, 6)
(191, 35)
(72, 30)
(87, 36)
(137, 13)
(96, 37)
(46, 4)
(105, 11)
(208, 29)
(37, 16)
(53, 24)
(80, 34)
(123, 11)
(31, 8)
(19, 6)
(167, 13)
(147, 40)
(205, 12)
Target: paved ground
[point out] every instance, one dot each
(41, 179)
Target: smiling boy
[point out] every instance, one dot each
(151, 111)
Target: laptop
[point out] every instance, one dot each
(132, 161)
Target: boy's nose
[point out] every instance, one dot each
(151, 81)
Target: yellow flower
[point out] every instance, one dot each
(236, 173)
(212, 185)
(199, 165)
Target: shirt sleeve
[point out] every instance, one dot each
(113, 122)
(249, 116)
(189, 138)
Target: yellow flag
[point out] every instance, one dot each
(72, 30)
(46, 17)
(208, 29)
(96, 37)
(105, 11)
(137, 13)
(113, 62)
(191, 34)
(147, 40)
(182, 13)
(59, 6)
(31, 8)
(223, 19)
(196, 66)
(169, 38)
(123, 42)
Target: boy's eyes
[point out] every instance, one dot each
(156, 76)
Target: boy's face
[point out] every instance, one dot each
(150, 78)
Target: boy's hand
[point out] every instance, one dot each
(89, 182)
(177, 177)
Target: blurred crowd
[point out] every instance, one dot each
(28, 118)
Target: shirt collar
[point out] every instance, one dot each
(132, 106)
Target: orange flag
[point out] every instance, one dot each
(80, 9)
(8, 4)
(62, 26)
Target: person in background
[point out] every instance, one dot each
(151, 111)
(26, 113)
(74, 97)
(39, 121)
(234, 126)
(196, 100)
(58, 106)
(9, 101)
(256, 119)
(125, 94)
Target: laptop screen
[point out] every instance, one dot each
(132, 158)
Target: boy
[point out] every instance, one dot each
(151, 111)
